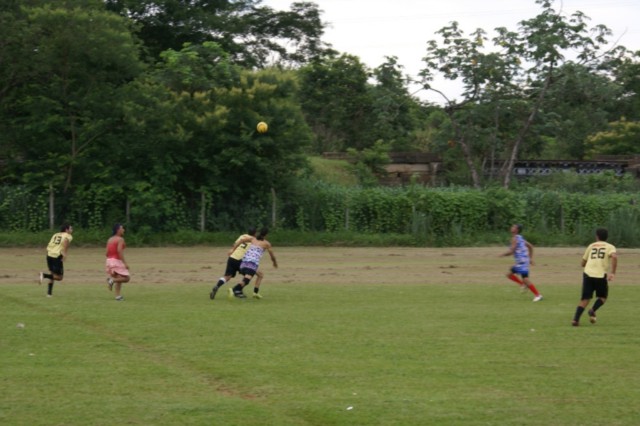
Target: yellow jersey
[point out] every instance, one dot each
(56, 245)
(597, 256)
(239, 252)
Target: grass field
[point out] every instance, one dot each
(343, 336)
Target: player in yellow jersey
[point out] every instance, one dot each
(234, 260)
(56, 255)
(600, 262)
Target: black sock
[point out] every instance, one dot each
(255, 290)
(50, 289)
(237, 288)
(597, 305)
(48, 276)
(579, 311)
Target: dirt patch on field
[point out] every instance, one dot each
(326, 265)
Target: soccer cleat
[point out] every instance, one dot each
(537, 298)
(239, 295)
(110, 283)
(49, 295)
(119, 298)
(41, 280)
(230, 294)
(592, 316)
(212, 295)
(257, 296)
(575, 323)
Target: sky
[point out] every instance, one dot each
(374, 29)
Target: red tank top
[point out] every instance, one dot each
(112, 249)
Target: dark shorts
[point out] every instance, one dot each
(55, 265)
(233, 266)
(598, 285)
(524, 273)
(248, 268)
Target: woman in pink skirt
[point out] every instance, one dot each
(116, 266)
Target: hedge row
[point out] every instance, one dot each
(425, 213)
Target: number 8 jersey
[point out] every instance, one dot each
(597, 257)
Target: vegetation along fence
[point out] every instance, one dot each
(317, 206)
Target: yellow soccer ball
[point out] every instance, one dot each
(262, 127)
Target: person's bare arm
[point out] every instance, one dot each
(121, 252)
(273, 257)
(65, 248)
(512, 249)
(614, 267)
(238, 242)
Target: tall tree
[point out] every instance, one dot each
(396, 114)
(627, 74)
(521, 65)
(64, 88)
(254, 35)
(335, 97)
(579, 103)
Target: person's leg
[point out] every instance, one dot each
(587, 294)
(118, 281)
(527, 282)
(220, 283)
(56, 269)
(513, 277)
(118, 288)
(256, 285)
(602, 292)
(241, 285)
(579, 310)
(259, 276)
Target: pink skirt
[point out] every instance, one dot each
(116, 266)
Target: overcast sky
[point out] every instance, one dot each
(373, 29)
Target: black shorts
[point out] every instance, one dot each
(55, 265)
(598, 285)
(248, 271)
(522, 272)
(233, 266)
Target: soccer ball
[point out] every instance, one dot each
(262, 127)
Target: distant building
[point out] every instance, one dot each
(424, 168)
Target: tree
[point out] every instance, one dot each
(337, 103)
(254, 35)
(193, 118)
(627, 74)
(621, 138)
(579, 103)
(396, 114)
(64, 90)
(520, 68)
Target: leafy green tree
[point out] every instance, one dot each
(513, 77)
(396, 114)
(193, 117)
(368, 165)
(62, 96)
(621, 138)
(254, 35)
(627, 74)
(579, 103)
(337, 103)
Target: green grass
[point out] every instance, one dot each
(398, 354)
(333, 171)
